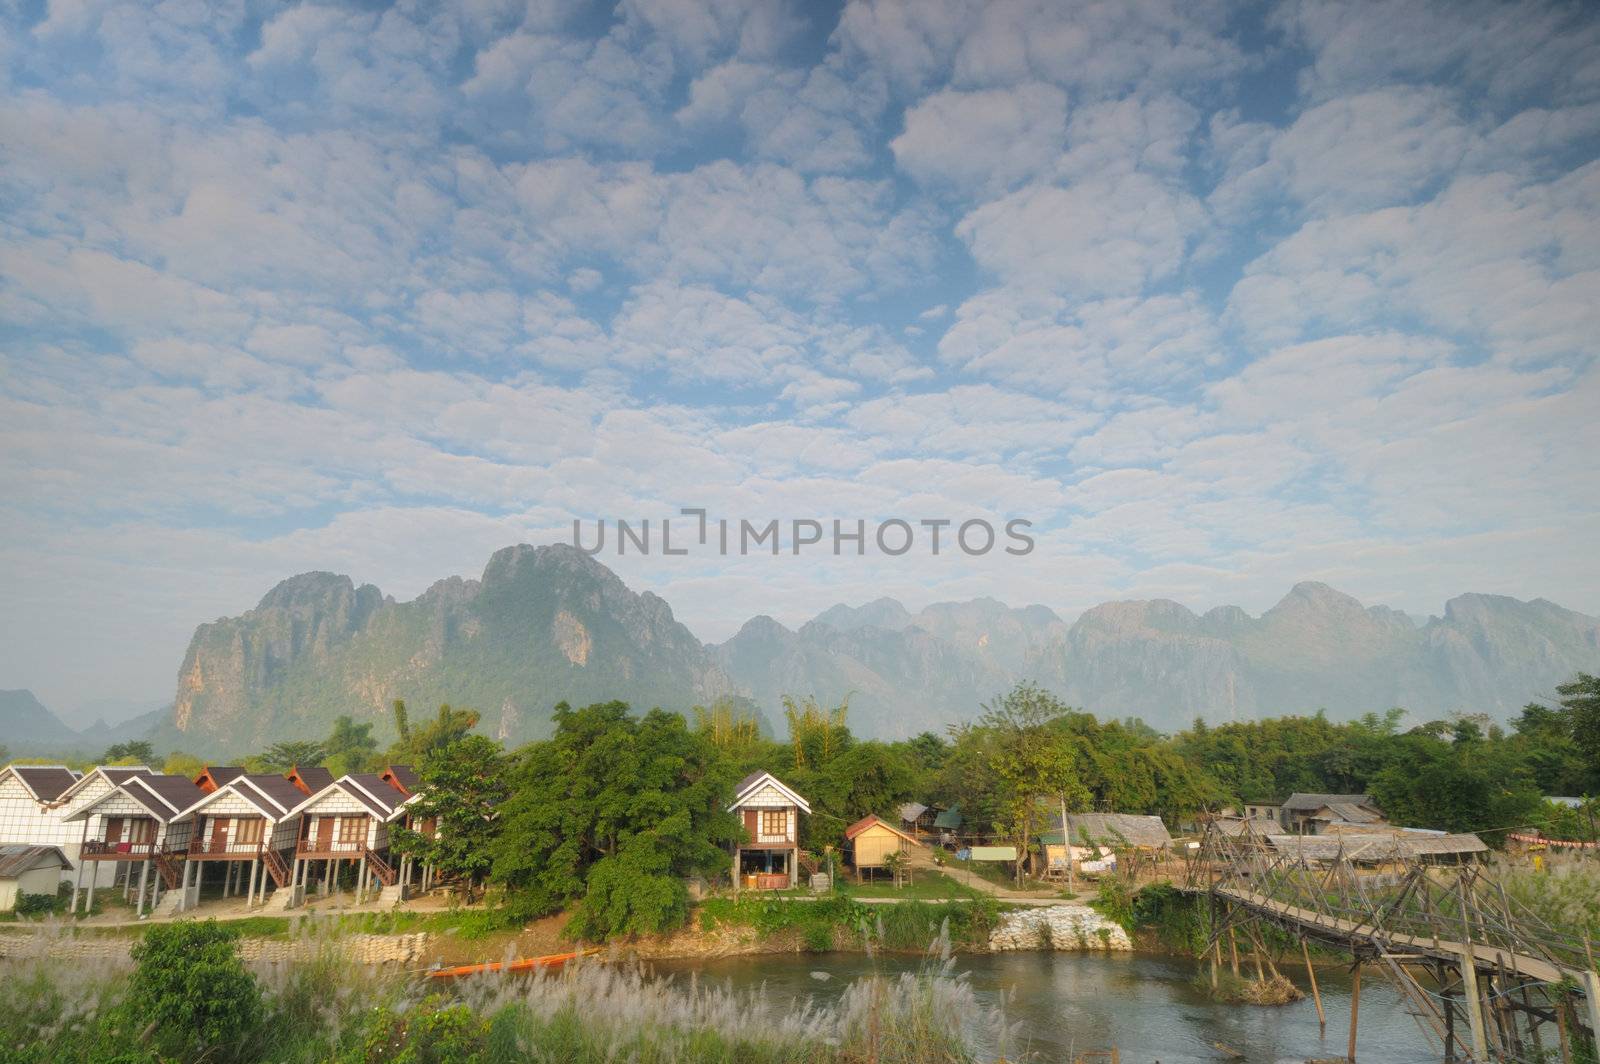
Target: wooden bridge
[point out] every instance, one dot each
(1462, 952)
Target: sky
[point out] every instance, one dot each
(1219, 296)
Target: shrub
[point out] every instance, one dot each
(190, 995)
(432, 1032)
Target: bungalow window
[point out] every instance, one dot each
(353, 829)
(248, 831)
(774, 823)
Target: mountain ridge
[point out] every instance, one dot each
(551, 623)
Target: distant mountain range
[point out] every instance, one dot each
(27, 726)
(551, 623)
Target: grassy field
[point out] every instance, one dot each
(926, 885)
(185, 997)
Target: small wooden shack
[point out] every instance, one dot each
(872, 839)
(29, 870)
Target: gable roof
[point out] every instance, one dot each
(873, 819)
(167, 798)
(402, 778)
(909, 811)
(1110, 829)
(1235, 826)
(1310, 801)
(755, 781)
(112, 774)
(274, 796)
(46, 783)
(309, 779)
(214, 776)
(17, 859)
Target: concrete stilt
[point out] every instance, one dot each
(94, 875)
(144, 881)
(255, 876)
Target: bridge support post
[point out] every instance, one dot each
(1474, 1005)
(1355, 1008)
(1591, 993)
(1316, 995)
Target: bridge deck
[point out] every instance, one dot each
(1485, 956)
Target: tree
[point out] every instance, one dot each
(463, 787)
(350, 747)
(815, 734)
(179, 763)
(1035, 764)
(191, 993)
(450, 726)
(281, 757)
(1580, 703)
(134, 752)
(612, 812)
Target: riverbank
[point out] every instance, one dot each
(750, 926)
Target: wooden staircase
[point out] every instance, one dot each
(277, 867)
(809, 863)
(170, 869)
(380, 868)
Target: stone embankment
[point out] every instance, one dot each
(363, 949)
(1059, 927)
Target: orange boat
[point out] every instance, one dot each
(524, 964)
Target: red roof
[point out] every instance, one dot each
(873, 818)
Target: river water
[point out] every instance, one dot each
(1060, 1004)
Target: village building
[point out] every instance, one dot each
(1316, 814)
(350, 820)
(769, 856)
(35, 801)
(29, 870)
(871, 840)
(1382, 849)
(1091, 841)
(139, 827)
(247, 826)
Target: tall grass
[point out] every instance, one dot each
(327, 1009)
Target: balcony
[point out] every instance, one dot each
(126, 850)
(316, 848)
(219, 848)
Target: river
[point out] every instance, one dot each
(1059, 1004)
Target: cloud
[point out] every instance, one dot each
(989, 140)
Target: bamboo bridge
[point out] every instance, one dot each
(1485, 976)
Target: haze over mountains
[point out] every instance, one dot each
(545, 624)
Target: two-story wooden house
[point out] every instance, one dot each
(349, 820)
(768, 858)
(248, 826)
(142, 823)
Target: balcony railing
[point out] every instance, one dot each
(125, 850)
(223, 847)
(333, 847)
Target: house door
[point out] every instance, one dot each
(219, 835)
(324, 834)
(113, 830)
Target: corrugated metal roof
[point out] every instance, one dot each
(949, 820)
(1111, 829)
(16, 859)
(1375, 846)
(909, 811)
(1233, 826)
(1351, 813)
(1306, 802)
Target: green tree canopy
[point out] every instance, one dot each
(464, 786)
(611, 813)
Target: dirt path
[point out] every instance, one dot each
(923, 858)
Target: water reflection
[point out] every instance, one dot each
(1147, 1006)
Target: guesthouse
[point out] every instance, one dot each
(1317, 814)
(870, 841)
(349, 820)
(138, 827)
(248, 827)
(768, 857)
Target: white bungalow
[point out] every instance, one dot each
(249, 826)
(35, 801)
(349, 820)
(141, 823)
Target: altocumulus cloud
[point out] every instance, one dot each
(1219, 301)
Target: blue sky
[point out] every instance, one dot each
(1221, 297)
